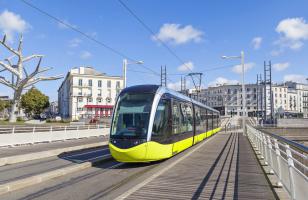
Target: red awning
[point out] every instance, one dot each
(99, 106)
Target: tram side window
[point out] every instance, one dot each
(198, 122)
(187, 120)
(177, 118)
(214, 120)
(217, 120)
(210, 119)
(204, 119)
(161, 126)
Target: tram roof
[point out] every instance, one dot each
(162, 90)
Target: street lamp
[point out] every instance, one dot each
(243, 87)
(125, 63)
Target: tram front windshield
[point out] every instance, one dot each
(131, 117)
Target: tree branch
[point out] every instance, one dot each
(20, 44)
(8, 60)
(8, 47)
(7, 83)
(31, 57)
(10, 68)
(38, 79)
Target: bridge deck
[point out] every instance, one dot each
(224, 168)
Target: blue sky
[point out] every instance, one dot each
(199, 32)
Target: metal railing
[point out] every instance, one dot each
(33, 129)
(286, 159)
(31, 135)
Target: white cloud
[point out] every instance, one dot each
(295, 78)
(85, 55)
(175, 86)
(293, 28)
(177, 34)
(281, 66)
(223, 81)
(238, 68)
(256, 42)
(293, 32)
(188, 66)
(65, 24)
(75, 42)
(11, 23)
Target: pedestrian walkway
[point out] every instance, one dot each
(224, 168)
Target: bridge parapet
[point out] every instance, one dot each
(286, 159)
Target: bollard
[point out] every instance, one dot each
(50, 131)
(65, 133)
(33, 131)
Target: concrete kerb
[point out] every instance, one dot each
(45, 154)
(36, 179)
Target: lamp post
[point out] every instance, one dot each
(125, 63)
(243, 87)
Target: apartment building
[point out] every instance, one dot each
(289, 98)
(87, 93)
(228, 98)
(298, 98)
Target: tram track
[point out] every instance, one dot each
(114, 187)
(104, 180)
(23, 175)
(72, 181)
(34, 163)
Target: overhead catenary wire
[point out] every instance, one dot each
(156, 38)
(206, 70)
(115, 51)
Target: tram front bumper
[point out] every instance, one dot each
(133, 154)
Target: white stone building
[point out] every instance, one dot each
(228, 98)
(298, 98)
(288, 99)
(87, 93)
(280, 97)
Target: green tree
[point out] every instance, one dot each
(3, 105)
(34, 102)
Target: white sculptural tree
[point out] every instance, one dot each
(20, 78)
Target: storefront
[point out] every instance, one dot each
(100, 111)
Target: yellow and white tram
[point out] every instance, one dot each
(151, 123)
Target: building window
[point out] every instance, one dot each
(90, 82)
(80, 99)
(99, 92)
(117, 92)
(89, 99)
(80, 82)
(99, 100)
(108, 84)
(99, 83)
(79, 92)
(118, 84)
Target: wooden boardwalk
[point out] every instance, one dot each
(224, 168)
